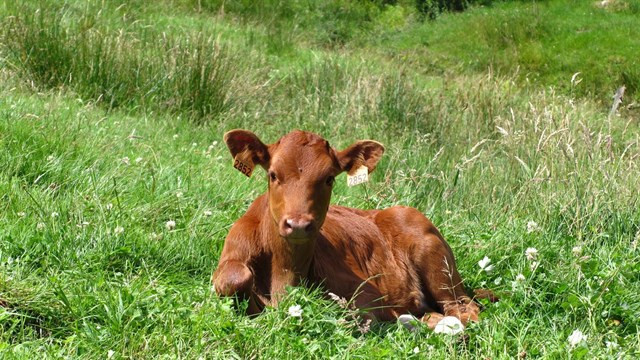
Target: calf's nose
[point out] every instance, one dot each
(297, 227)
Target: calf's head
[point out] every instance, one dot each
(301, 168)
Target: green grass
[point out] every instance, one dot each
(111, 119)
(545, 42)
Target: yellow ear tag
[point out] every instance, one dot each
(358, 177)
(243, 164)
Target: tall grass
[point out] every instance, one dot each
(188, 73)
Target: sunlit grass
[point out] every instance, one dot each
(114, 203)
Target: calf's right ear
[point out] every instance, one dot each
(246, 148)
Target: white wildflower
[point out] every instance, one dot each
(611, 344)
(533, 265)
(40, 226)
(532, 226)
(416, 350)
(54, 214)
(531, 253)
(22, 214)
(520, 277)
(295, 311)
(449, 325)
(576, 338)
(126, 161)
(109, 206)
(208, 213)
(50, 158)
(485, 264)
(110, 354)
(118, 230)
(179, 194)
(170, 225)
(194, 144)
(175, 136)
(139, 160)
(576, 250)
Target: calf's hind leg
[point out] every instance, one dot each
(418, 239)
(235, 279)
(441, 280)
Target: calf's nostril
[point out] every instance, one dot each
(309, 227)
(288, 224)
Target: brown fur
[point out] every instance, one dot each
(391, 262)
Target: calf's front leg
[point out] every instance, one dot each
(235, 279)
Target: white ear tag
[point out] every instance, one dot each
(243, 164)
(358, 177)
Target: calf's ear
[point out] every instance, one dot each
(247, 147)
(362, 153)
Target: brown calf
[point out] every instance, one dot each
(392, 261)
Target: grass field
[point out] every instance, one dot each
(111, 123)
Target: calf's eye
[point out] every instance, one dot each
(272, 176)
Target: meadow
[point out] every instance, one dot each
(117, 191)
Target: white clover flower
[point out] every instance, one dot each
(194, 144)
(175, 136)
(22, 214)
(118, 230)
(139, 160)
(533, 265)
(576, 338)
(576, 250)
(520, 277)
(531, 253)
(295, 311)
(54, 214)
(208, 213)
(110, 354)
(170, 225)
(611, 344)
(179, 194)
(109, 206)
(485, 264)
(532, 226)
(416, 350)
(449, 325)
(126, 161)
(40, 226)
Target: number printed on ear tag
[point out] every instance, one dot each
(358, 177)
(244, 165)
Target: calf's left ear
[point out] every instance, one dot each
(363, 152)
